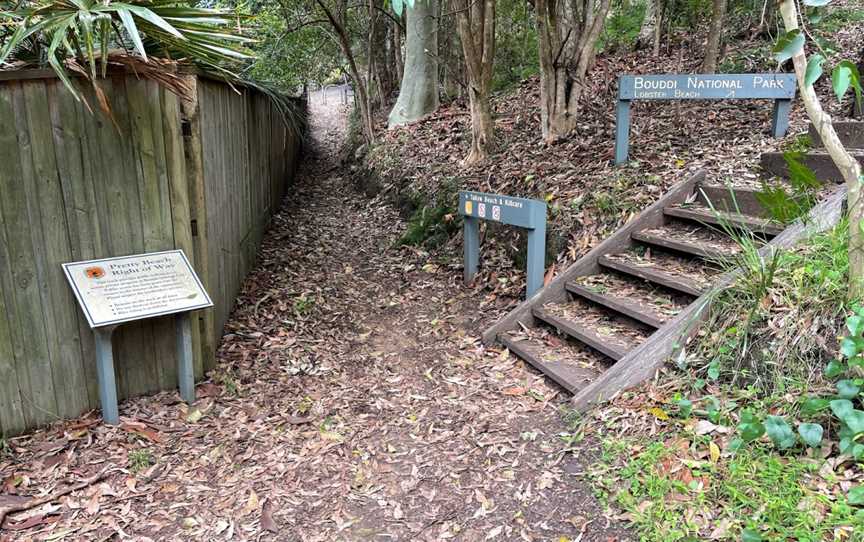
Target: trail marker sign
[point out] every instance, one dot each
(779, 87)
(529, 214)
(113, 291)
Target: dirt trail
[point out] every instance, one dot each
(353, 402)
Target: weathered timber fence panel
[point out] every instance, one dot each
(203, 175)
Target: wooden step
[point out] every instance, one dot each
(606, 333)
(636, 299)
(851, 133)
(568, 364)
(691, 239)
(723, 219)
(819, 161)
(686, 276)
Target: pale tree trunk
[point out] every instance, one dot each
(450, 53)
(568, 33)
(397, 51)
(362, 92)
(715, 35)
(370, 57)
(649, 24)
(845, 162)
(475, 21)
(858, 105)
(418, 94)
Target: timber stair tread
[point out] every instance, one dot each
(570, 365)
(634, 298)
(680, 274)
(631, 298)
(603, 331)
(689, 238)
(715, 217)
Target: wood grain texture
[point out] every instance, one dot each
(556, 290)
(643, 361)
(79, 184)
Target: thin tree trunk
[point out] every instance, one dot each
(649, 23)
(475, 20)
(715, 35)
(566, 40)
(845, 162)
(362, 95)
(418, 94)
(397, 51)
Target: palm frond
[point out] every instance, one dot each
(87, 32)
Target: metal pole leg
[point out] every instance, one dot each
(780, 120)
(471, 233)
(536, 259)
(185, 367)
(622, 131)
(105, 372)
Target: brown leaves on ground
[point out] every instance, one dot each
(353, 401)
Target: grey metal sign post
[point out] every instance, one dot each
(114, 291)
(779, 87)
(524, 213)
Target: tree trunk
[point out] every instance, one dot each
(362, 93)
(568, 33)
(649, 23)
(715, 35)
(397, 52)
(475, 20)
(858, 105)
(418, 95)
(452, 63)
(846, 163)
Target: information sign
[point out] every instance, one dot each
(113, 291)
(779, 87)
(521, 212)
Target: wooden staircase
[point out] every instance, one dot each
(851, 134)
(637, 296)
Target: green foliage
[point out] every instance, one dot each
(87, 31)
(516, 44)
(622, 26)
(290, 52)
(844, 76)
(788, 45)
(778, 346)
(786, 206)
(432, 223)
(755, 494)
(811, 434)
(140, 460)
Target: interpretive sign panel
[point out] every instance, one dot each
(768, 86)
(522, 212)
(113, 291)
(779, 87)
(117, 290)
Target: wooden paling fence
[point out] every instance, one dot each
(204, 174)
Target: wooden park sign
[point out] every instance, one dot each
(114, 291)
(525, 213)
(779, 87)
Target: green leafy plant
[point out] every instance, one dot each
(787, 205)
(845, 405)
(79, 34)
(140, 460)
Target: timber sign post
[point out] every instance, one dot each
(779, 87)
(114, 291)
(525, 213)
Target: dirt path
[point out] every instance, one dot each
(353, 402)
